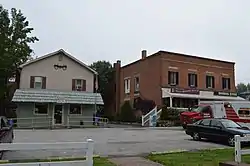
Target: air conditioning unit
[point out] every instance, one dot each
(78, 88)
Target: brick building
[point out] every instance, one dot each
(174, 79)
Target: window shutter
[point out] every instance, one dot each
(83, 85)
(207, 81)
(32, 81)
(189, 79)
(196, 80)
(229, 85)
(43, 82)
(177, 78)
(212, 81)
(73, 84)
(223, 83)
(169, 77)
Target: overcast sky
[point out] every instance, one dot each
(94, 30)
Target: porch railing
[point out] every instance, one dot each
(87, 121)
(47, 122)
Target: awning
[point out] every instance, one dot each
(53, 96)
(167, 93)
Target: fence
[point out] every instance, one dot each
(69, 121)
(238, 151)
(88, 147)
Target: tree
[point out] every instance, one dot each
(105, 82)
(241, 87)
(14, 47)
(127, 114)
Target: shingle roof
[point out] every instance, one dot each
(55, 53)
(53, 96)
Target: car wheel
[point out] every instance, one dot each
(196, 136)
(230, 141)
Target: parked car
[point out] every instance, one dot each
(216, 130)
(6, 132)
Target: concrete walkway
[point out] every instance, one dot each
(133, 161)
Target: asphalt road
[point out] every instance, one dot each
(108, 141)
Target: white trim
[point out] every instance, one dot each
(55, 53)
(53, 113)
(171, 67)
(193, 70)
(76, 114)
(34, 107)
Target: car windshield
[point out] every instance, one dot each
(196, 109)
(230, 124)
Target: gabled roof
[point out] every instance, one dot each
(55, 53)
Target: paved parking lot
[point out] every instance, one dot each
(108, 141)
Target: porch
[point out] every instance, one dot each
(52, 109)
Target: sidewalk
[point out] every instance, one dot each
(133, 161)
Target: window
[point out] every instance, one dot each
(127, 86)
(209, 81)
(41, 109)
(205, 122)
(75, 109)
(38, 82)
(226, 83)
(215, 123)
(137, 84)
(173, 78)
(192, 80)
(79, 85)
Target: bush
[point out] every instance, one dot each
(127, 113)
(169, 117)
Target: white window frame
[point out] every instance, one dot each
(210, 80)
(36, 81)
(127, 85)
(192, 79)
(34, 109)
(137, 84)
(76, 114)
(77, 86)
(227, 83)
(173, 78)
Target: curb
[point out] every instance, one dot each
(45, 160)
(185, 150)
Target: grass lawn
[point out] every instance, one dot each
(102, 162)
(198, 158)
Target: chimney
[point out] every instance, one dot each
(117, 67)
(143, 54)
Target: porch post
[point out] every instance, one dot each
(171, 101)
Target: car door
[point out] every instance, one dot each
(204, 128)
(216, 131)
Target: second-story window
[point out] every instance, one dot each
(38, 82)
(79, 85)
(209, 81)
(192, 80)
(226, 83)
(127, 86)
(173, 78)
(137, 84)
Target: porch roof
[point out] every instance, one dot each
(166, 93)
(54, 96)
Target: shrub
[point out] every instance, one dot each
(169, 117)
(127, 113)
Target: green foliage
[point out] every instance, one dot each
(241, 87)
(14, 43)
(127, 113)
(106, 85)
(170, 114)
